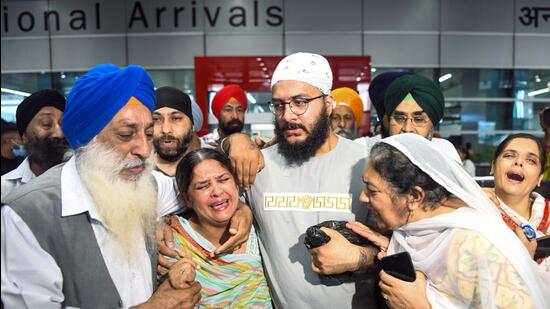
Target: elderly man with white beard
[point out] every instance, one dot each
(82, 234)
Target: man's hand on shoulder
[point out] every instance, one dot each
(245, 156)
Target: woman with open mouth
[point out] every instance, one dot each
(208, 187)
(463, 254)
(518, 166)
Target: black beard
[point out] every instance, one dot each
(182, 145)
(47, 152)
(298, 153)
(233, 126)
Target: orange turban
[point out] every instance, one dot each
(223, 96)
(349, 97)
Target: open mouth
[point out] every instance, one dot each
(168, 142)
(515, 177)
(220, 205)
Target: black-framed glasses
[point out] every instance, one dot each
(298, 105)
(418, 120)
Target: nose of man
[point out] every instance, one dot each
(408, 126)
(288, 115)
(142, 147)
(57, 132)
(165, 127)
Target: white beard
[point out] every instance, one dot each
(127, 207)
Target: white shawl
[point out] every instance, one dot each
(426, 240)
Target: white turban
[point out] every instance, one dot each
(305, 67)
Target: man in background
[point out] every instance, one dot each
(197, 125)
(347, 112)
(173, 129)
(377, 94)
(38, 120)
(228, 106)
(11, 146)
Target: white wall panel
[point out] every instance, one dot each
(25, 55)
(164, 51)
(315, 15)
(477, 16)
(170, 33)
(402, 50)
(230, 44)
(532, 52)
(401, 15)
(476, 51)
(82, 53)
(336, 44)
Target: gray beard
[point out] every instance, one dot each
(126, 207)
(349, 134)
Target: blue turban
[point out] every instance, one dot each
(98, 95)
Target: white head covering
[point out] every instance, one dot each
(426, 239)
(197, 116)
(305, 67)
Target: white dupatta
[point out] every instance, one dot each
(427, 240)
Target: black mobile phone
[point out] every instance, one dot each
(543, 247)
(400, 266)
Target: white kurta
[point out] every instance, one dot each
(19, 176)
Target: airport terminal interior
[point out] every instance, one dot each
(491, 58)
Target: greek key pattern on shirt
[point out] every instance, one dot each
(308, 201)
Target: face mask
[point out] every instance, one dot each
(19, 151)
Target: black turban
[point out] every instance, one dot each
(32, 104)
(176, 99)
(424, 91)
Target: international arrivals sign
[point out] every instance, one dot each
(23, 18)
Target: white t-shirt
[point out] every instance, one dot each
(286, 201)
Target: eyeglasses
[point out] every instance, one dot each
(298, 105)
(417, 120)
